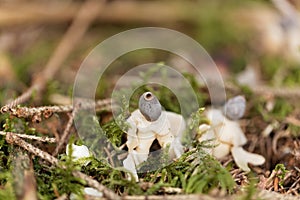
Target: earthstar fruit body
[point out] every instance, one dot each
(148, 123)
(227, 135)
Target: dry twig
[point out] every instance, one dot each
(11, 138)
(36, 113)
(66, 133)
(31, 137)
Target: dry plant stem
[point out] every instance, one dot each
(111, 162)
(66, 132)
(13, 139)
(47, 111)
(83, 19)
(31, 137)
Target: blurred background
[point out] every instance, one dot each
(252, 42)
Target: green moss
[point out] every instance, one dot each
(59, 181)
(292, 77)
(90, 132)
(278, 71)
(113, 132)
(280, 172)
(281, 110)
(246, 91)
(295, 130)
(113, 178)
(6, 183)
(270, 66)
(195, 172)
(6, 178)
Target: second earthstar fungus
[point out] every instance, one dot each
(226, 135)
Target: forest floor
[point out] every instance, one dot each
(40, 58)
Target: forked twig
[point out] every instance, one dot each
(66, 133)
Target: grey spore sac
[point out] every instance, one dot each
(150, 106)
(235, 107)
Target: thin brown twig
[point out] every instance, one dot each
(47, 111)
(11, 138)
(66, 132)
(81, 22)
(14, 139)
(31, 137)
(109, 157)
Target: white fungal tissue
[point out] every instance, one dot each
(148, 123)
(227, 135)
(78, 152)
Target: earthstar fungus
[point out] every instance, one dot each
(148, 123)
(226, 134)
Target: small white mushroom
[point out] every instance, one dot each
(228, 137)
(78, 152)
(148, 123)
